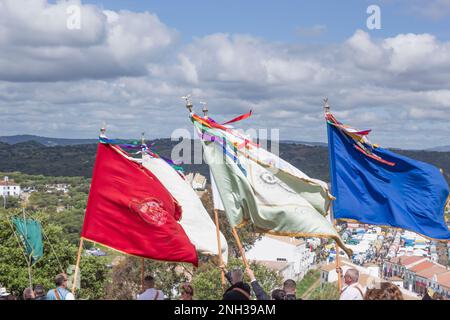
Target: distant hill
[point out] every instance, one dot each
(305, 143)
(440, 149)
(78, 160)
(46, 141)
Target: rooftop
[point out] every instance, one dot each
(332, 266)
(8, 183)
(407, 260)
(421, 266)
(429, 273)
(395, 279)
(444, 279)
(289, 240)
(273, 265)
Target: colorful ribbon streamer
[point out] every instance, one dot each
(359, 137)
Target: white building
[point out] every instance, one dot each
(60, 187)
(8, 188)
(197, 181)
(290, 257)
(367, 273)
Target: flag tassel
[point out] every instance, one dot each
(142, 273)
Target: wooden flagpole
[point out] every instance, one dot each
(326, 109)
(30, 278)
(219, 246)
(238, 241)
(338, 262)
(216, 216)
(142, 273)
(77, 266)
(142, 258)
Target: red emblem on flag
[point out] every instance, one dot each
(151, 210)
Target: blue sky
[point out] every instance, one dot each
(279, 20)
(131, 61)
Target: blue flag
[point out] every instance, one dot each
(376, 186)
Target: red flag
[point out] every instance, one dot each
(131, 211)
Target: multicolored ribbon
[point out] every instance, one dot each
(212, 135)
(241, 117)
(210, 123)
(142, 148)
(362, 144)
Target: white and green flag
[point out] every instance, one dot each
(258, 187)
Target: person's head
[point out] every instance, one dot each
(149, 282)
(61, 280)
(237, 276)
(278, 294)
(290, 287)
(351, 276)
(438, 296)
(241, 291)
(386, 291)
(28, 294)
(187, 292)
(39, 291)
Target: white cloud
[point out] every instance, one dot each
(130, 70)
(38, 46)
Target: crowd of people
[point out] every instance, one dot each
(59, 292)
(238, 289)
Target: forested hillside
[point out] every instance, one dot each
(78, 160)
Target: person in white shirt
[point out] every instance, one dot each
(352, 290)
(150, 292)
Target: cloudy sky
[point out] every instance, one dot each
(130, 62)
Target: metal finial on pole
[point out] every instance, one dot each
(142, 138)
(326, 105)
(103, 129)
(189, 105)
(205, 108)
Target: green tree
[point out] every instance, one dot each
(93, 277)
(10, 202)
(58, 255)
(125, 281)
